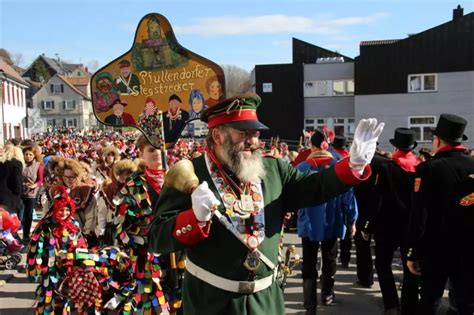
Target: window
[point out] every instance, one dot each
(422, 83)
(328, 88)
(267, 87)
(338, 88)
(341, 126)
(47, 105)
(343, 87)
(422, 126)
(56, 88)
(70, 122)
(69, 104)
(51, 122)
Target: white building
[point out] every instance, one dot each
(12, 103)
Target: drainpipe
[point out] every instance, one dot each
(2, 80)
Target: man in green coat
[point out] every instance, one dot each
(229, 226)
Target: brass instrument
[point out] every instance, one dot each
(292, 259)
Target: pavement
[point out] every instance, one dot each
(17, 295)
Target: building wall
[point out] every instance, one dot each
(83, 107)
(449, 47)
(329, 71)
(455, 95)
(13, 109)
(323, 107)
(282, 109)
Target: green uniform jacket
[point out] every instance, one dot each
(221, 253)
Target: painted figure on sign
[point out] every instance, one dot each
(119, 117)
(175, 119)
(127, 83)
(196, 104)
(106, 94)
(151, 119)
(214, 90)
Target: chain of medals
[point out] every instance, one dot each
(249, 206)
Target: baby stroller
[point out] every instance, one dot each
(10, 248)
(9, 256)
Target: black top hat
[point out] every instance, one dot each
(339, 142)
(451, 128)
(404, 139)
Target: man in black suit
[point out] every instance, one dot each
(443, 221)
(390, 221)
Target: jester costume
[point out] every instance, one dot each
(54, 237)
(133, 217)
(69, 275)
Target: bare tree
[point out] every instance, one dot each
(237, 80)
(17, 59)
(6, 56)
(93, 65)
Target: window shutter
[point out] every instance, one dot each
(52, 104)
(64, 104)
(75, 122)
(52, 88)
(42, 104)
(64, 123)
(62, 88)
(54, 122)
(74, 104)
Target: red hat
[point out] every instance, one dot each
(150, 100)
(61, 200)
(124, 63)
(239, 112)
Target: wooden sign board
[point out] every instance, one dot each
(157, 86)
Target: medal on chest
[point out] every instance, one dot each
(252, 261)
(245, 214)
(246, 203)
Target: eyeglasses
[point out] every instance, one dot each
(69, 177)
(247, 133)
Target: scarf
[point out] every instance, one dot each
(406, 160)
(155, 178)
(457, 148)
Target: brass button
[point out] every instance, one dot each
(183, 230)
(178, 232)
(189, 227)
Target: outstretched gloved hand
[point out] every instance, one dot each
(365, 141)
(204, 202)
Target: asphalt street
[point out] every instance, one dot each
(17, 295)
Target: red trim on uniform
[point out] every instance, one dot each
(197, 232)
(349, 176)
(237, 115)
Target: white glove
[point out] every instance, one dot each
(204, 202)
(364, 143)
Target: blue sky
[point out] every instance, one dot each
(242, 33)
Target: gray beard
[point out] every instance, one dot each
(246, 168)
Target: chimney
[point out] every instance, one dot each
(458, 13)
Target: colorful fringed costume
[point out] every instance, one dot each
(54, 237)
(70, 275)
(133, 218)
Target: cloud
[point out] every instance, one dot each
(282, 43)
(274, 24)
